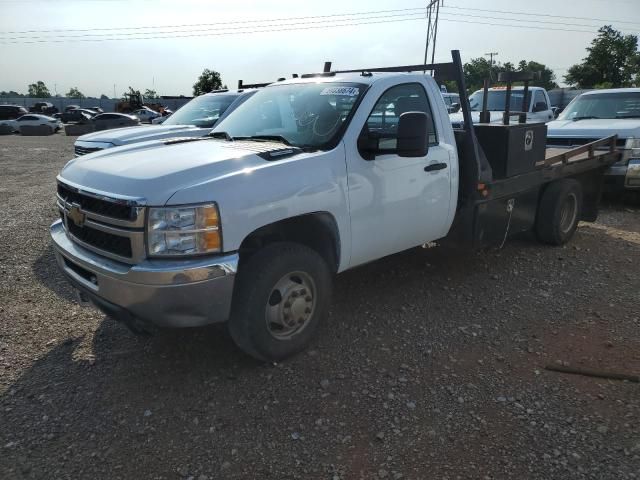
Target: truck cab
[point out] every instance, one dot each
(538, 106)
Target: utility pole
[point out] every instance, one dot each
(114, 91)
(491, 55)
(433, 14)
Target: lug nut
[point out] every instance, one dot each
(308, 298)
(307, 310)
(294, 294)
(303, 291)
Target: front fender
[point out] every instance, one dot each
(250, 199)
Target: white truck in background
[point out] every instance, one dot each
(194, 119)
(599, 113)
(306, 179)
(538, 107)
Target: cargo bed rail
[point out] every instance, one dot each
(561, 155)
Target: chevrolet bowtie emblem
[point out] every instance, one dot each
(75, 215)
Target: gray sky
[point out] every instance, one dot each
(173, 64)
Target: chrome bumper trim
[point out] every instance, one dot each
(167, 293)
(632, 178)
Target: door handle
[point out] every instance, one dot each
(434, 167)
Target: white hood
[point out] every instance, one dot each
(594, 128)
(155, 171)
(128, 135)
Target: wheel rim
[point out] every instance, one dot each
(291, 305)
(568, 213)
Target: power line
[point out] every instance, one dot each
(165, 32)
(215, 34)
(264, 20)
(454, 20)
(524, 20)
(542, 15)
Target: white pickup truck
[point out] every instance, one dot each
(308, 178)
(538, 107)
(597, 114)
(194, 119)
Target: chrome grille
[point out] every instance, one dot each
(79, 151)
(110, 226)
(97, 205)
(576, 142)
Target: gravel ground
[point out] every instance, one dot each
(431, 366)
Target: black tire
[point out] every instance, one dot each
(559, 212)
(256, 294)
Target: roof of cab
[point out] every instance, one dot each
(367, 78)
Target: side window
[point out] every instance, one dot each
(540, 102)
(383, 120)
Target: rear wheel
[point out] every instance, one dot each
(282, 294)
(559, 212)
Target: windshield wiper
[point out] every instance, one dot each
(224, 135)
(276, 138)
(586, 117)
(627, 116)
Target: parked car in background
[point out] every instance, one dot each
(77, 115)
(194, 119)
(71, 107)
(44, 108)
(31, 120)
(538, 107)
(106, 121)
(146, 115)
(452, 101)
(97, 109)
(600, 113)
(11, 112)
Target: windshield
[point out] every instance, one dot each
(307, 115)
(203, 111)
(497, 100)
(450, 99)
(603, 105)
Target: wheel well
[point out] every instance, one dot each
(591, 183)
(317, 231)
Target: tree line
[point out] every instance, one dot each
(612, 61)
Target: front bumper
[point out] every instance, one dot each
(160, 293)
(622, 177)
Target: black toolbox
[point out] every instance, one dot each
(512, 149)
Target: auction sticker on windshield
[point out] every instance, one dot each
(343, 91)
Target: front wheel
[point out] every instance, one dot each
(282, 294)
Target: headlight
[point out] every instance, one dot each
(183, 230)
(633, 146)
(631, 150)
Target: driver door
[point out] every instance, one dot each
(395, 202)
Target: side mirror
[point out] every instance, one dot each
(413, 134)
(555, 111)
(540, 107)
(455, 107)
